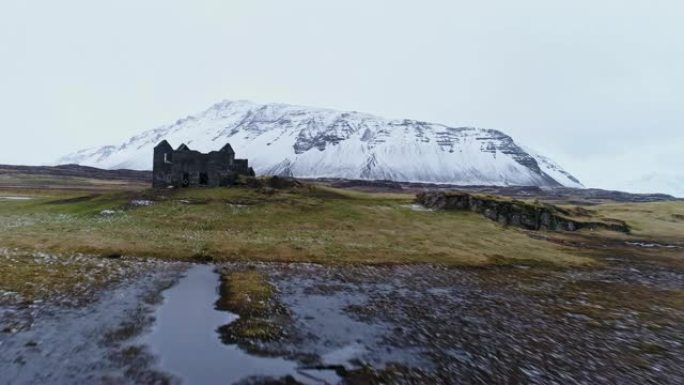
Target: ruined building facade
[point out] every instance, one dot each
(184, 167)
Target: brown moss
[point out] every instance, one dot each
(249, 295)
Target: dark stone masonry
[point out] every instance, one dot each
(184, 167)
(530, 216)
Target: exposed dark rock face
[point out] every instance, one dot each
(517, 213)
(498, 141)
(305, 142)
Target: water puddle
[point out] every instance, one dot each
(185, 339)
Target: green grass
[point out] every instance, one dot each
(245, 293)
(310, 223)
(654, 222)
(248, 294)
(662, 221)
(37, 277)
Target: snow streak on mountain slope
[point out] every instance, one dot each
(307, 142)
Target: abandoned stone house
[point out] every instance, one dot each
(184, 167)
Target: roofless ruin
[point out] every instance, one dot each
(184, 167)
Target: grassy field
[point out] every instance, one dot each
(64, 183)
(40, 276)
(658, 221)
(308, 223)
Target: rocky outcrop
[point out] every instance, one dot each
(531, 216)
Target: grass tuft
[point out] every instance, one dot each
(249, 295)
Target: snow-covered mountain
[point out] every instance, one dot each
(305, 142)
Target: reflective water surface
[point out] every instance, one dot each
(185, 339)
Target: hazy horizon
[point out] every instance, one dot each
(596, 87)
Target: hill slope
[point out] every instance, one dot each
(308, 142)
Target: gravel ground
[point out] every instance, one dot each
(410, 324)
(515, 325)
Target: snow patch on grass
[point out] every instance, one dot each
(15, 198)
(417, 207)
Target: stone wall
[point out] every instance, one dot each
(537, 216)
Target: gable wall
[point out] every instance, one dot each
(221, 168)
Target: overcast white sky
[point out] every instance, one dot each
(597, 85)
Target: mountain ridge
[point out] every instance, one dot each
(282, 139)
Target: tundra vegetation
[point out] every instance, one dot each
(248, 294)
(307, 223)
